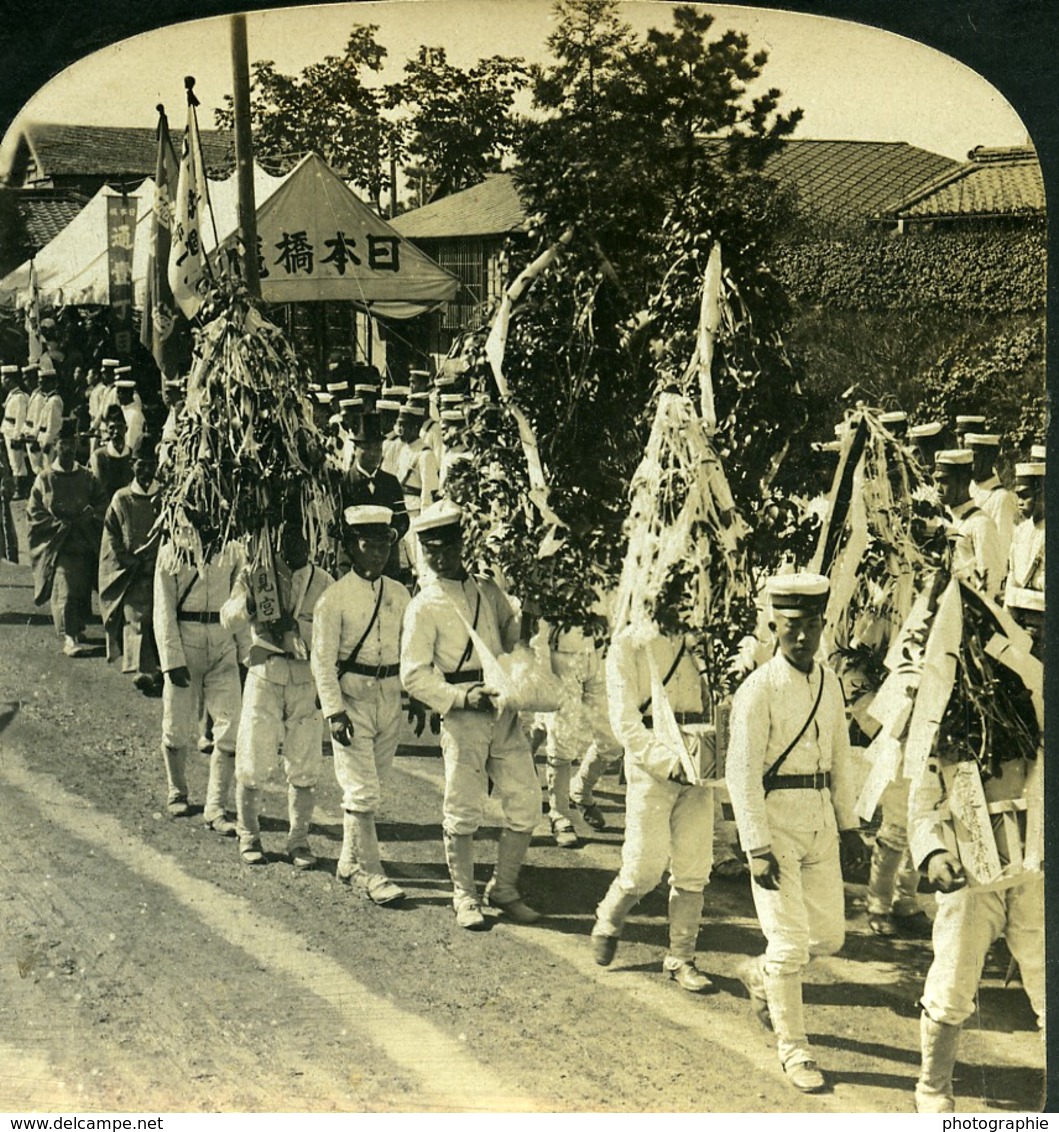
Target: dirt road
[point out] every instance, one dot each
(143, 967)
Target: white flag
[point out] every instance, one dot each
(188, 268)
(709, 321)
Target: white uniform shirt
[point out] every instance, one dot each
(34, 410)
(435, 639)
(207, 590)
(1001, 505)
(50, 422)
(629, 696)
(1025, 584)
(134, 426)
(15, 414)
(340, 618)
(95, 406)
(977, 556)
(308, 583)
(390, 446)
(768, 711)
(416, 469)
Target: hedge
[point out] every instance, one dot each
(996, 269)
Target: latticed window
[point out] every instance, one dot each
(468, 260)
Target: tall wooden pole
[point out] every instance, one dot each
(244, 155)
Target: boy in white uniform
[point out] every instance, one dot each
(440, 668)
(279, 699)
(787, 773)
(356, 641)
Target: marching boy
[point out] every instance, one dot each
(198, 656)
(669, 818)
(279, 698)
(356, 640)
(787, 769)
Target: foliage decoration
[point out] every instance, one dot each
(247, 453)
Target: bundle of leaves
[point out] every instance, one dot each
(990, 717)
(248, 455)
(685, 570)
(881, 505)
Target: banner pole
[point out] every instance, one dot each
(244, 155)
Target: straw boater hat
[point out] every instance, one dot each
(334, 387)
(1038, 453)
(412, 410)
(981, 440)
(894, 417)
(453, 416)
(385, 405)
(439, 523)
(925, 431)
(368, 519)
(971, 420)
(1031, 471)
(954, 461)
(397, 392)
(797, 595)
(8, 369)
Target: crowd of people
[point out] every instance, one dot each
(397, 621)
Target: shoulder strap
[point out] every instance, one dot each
(669, 676)
(345, 665)
(773, 771)
(184, 596)
(469, 648)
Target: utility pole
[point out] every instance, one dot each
(244, 155)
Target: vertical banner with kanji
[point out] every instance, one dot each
(188, 266)
(121, 235)
(163, 331)
(35, 347)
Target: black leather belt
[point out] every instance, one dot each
(682, 717)
(200, 618)
(378, 671)
(465, 676)
(819, 781)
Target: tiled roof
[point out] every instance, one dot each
(852, 180)
(847, 180)
(994, 182)
(44, 218)
(73, 150)
(489, 209)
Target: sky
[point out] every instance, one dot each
(853, 82)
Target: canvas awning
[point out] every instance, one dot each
(319, 241)
(72, 268)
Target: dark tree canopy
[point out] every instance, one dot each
(458, 125)
(615, 318)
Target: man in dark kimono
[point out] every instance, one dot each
(126, 572)
(64, 513)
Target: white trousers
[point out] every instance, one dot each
(374, 709)
(666, 825)
(210, 654)
(275, 715)
(806, 915)
(17, 459)
(966, 926)
(478, 747)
